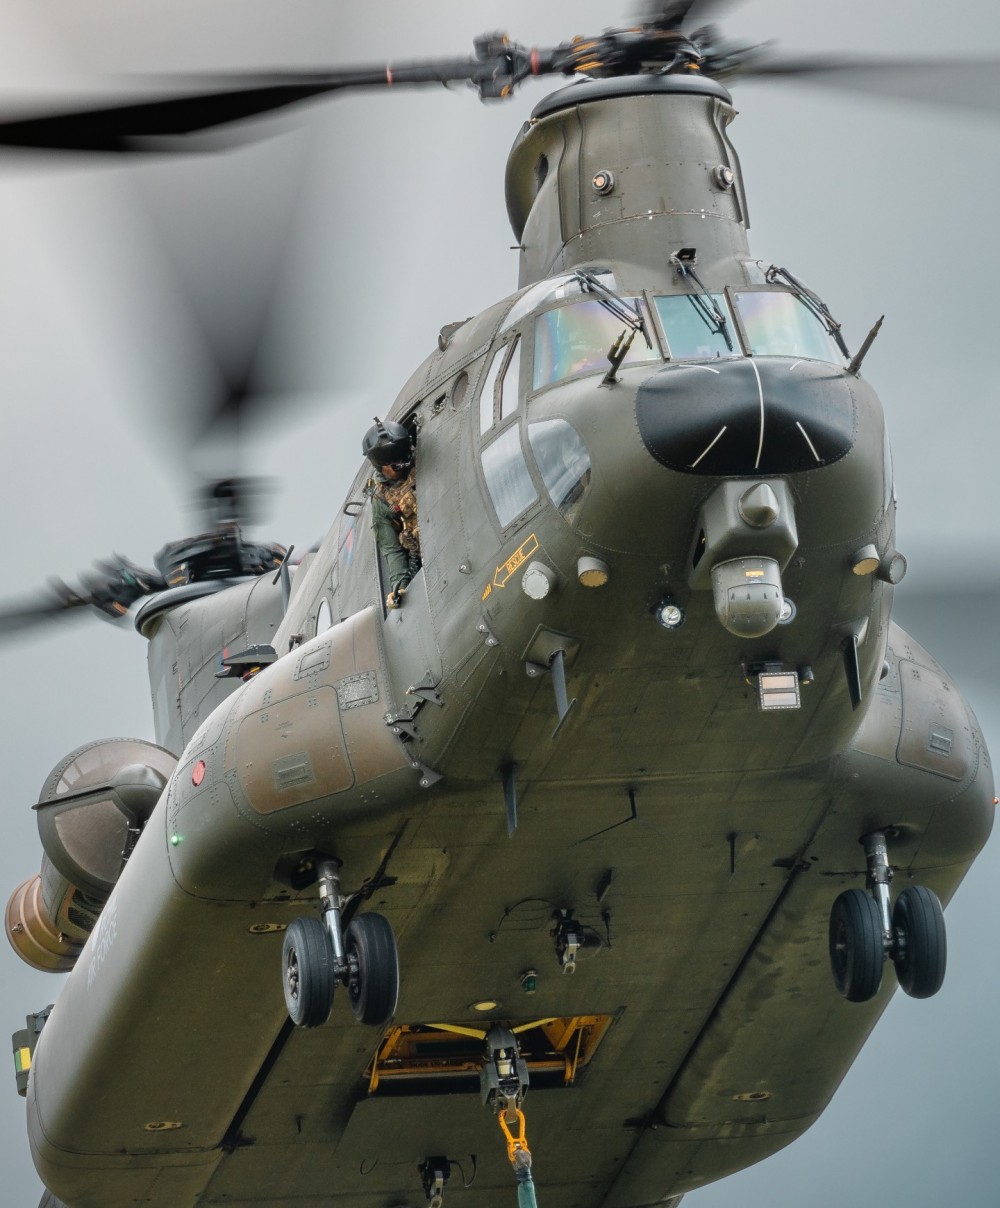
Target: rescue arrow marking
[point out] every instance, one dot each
(524, 551)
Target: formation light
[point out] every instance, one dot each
(865, 561)
(603, 182)
(669, 613)
(591, 572)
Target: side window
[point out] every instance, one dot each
(563, 462)
(498, 398)
(510, 382)
(507, 476)
(459, 391)
(889, 485)
(345, 555)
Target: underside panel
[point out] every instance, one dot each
(712, 1060)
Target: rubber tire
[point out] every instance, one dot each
(857, 949)
(920, 953)
(373, 980)
(307, 970)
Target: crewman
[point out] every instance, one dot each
(394, 503)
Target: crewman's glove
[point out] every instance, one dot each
(395, 597)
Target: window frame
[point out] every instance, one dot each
(501, 355)
(739, 340)
(499, 432)
(768, 288)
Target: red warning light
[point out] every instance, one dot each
(198, 773)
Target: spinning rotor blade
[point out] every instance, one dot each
(962, 83)
(48, 606)
(672, 14)
(111, 588)
(237, 500)
(656, 44)
(139, 126)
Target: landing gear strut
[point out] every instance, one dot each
(319, 953)
(864, 931)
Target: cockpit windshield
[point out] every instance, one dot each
(776, 323)
(552, 290)
(692, 329)
(577, 339)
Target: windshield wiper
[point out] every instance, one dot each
(614, 303)
(812, 302)
(703, 302)
(617, 306)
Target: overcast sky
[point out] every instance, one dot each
(363, 226)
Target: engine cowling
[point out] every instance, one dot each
(91, 810)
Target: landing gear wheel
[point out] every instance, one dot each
(308, 973)
(373, 977)
(920, 952)
(857, 948)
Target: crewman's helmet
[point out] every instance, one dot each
(387, 444)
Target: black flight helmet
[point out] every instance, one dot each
(388, 444)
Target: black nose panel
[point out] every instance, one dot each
(767, 415)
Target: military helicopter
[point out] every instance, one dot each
(566, 731)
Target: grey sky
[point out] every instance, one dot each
(380, 218)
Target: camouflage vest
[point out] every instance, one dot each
(401, 499)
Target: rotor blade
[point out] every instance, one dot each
(237, 500)
(962, 83)
(673, 14)
(136, 126)
(57, 602)
(15, 621)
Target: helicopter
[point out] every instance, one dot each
(522, 820)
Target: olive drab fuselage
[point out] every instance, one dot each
(657, 542)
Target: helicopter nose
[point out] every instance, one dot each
(771, 415)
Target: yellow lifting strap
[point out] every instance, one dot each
(514, 1144)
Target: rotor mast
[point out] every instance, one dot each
(607, 170)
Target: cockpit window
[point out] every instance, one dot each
(692, 330)
(324, 616)
(510, 382)
(499, 395)
(487, 396)
(507, 476)
(776, 323)
(546, 292)
(563, 460)
(577, 339)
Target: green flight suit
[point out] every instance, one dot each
(394, 521)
